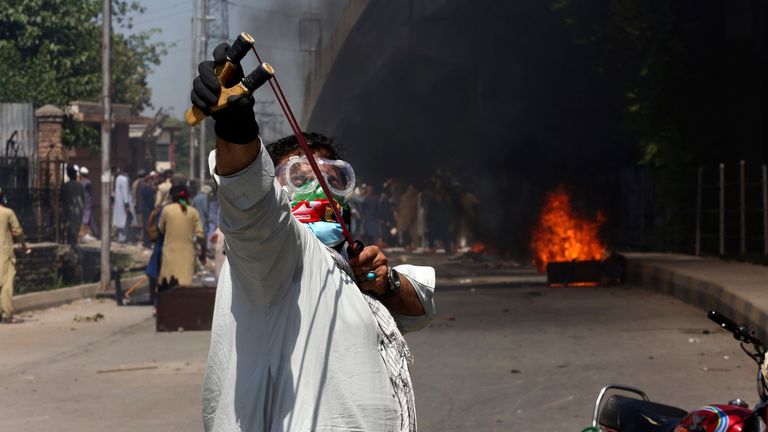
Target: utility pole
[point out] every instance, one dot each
(106, 142)
(217, 29)
(214, 27)
(721, 249)
(192, 57)
(203, 49)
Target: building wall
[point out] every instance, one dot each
(19, 117)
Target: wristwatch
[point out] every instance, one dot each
(393, 279)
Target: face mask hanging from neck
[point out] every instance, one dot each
(314, 210)
(327, 232)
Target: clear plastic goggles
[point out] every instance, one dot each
(297, 177)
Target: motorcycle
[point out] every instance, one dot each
(633, 411)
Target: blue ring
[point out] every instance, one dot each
(370, 276)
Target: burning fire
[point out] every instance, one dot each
(477, 248)
(561, 235)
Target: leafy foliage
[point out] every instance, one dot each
(75, 133)
(657, 58)
(182, 141)
(663, 61)
(50, 53)
(181, 145)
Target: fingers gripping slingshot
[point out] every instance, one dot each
(227, 71)
(265, 73)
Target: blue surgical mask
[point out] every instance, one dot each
(328, 232)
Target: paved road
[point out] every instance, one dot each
(533, 358)
(499, 357)
(60, 375)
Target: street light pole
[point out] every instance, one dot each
(203, 47)
(106, 142)
(193, 56)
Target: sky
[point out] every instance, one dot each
(171, 80)
(274, 24)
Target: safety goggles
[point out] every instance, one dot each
(297, 177)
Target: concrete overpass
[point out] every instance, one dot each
(494, 91)
(449, 80)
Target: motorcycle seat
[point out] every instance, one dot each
(626, 414)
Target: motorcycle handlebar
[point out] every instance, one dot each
(740, 332)
(723, 321)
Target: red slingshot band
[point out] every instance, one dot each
(280, 96)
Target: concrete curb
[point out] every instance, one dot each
(736, 301)
(46, 299)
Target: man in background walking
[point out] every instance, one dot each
(145, 197)
(89, 229)
(123, 215)
(162, 196)
(9, 230)
(180, 225)
(73, 196)
(200, 203)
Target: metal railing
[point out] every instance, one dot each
(33, 190)
(39, 212)
(740, 205)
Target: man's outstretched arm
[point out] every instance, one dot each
(262, 245)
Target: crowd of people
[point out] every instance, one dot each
(165, 213)
(133, 199)
(440, 216)
(178, 220)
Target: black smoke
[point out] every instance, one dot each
(497, 92)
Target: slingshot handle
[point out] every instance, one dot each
(246, 86)
(235, 53)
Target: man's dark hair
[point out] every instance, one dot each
(71, 172)
(289, 144)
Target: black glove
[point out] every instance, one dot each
(236, 123)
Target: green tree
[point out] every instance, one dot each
(181, 145)
(658, 58)
(662, 60)
(50, 53)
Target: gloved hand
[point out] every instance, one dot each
(236, 123)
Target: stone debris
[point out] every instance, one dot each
(89, 318)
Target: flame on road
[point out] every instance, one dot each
(561, 235)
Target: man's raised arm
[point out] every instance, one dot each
(233, 158)
(263, 245)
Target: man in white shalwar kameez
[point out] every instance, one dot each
(123, 211)
(302, 339)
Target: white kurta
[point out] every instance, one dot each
(293, 343)
(122, 198)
